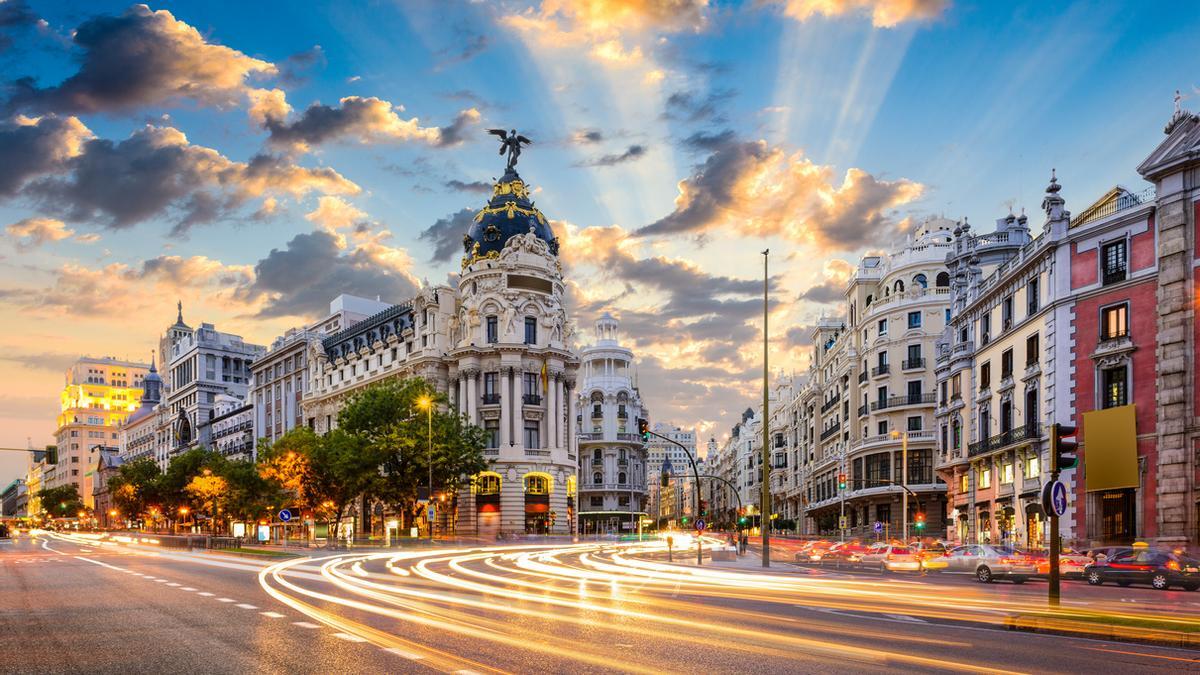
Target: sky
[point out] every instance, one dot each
(254, 160)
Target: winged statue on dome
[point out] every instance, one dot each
(510, 142)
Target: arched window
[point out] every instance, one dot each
(597, 478)
(487, 484)
(870, 298)
(537, 484)
(898, 286)
(596, 453)
(852, 313)
(943, 280)
(920, 280)
(621, 478)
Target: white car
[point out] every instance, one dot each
(891, 558)
(989, 563)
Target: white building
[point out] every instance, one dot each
(612, 483)
(665, 504)
(281, 375)
(232, 428)
(138, 434)
(498, 343)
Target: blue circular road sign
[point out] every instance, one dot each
(285, 515)
(700, 524)
(1054, 498)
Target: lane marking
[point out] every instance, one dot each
(245, 606)
(207, 595)
(272, 615)
(305, 624)
(160, 581)
(174, 585)
(348, 637)
(411, 656)
(226, 600)
(189, 589)
(905, 617)
(1153, 656)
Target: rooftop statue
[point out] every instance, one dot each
(510, 142)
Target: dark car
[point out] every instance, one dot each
(1161, 569)
(1105, 552)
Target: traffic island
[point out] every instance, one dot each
(1142, 630)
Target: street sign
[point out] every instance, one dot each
(878, 527)
(285, 515)
(843, 522)
(700, 524)
(431, 512)
(1054, 498)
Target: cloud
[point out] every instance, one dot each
(631, 153)
(366, 120)
(31, 147)
(447, 233)
(833, 289)
(300, 279)
(157, 172)
(143, 58)
(15, 14)
(883, 13)
(31, 233)
(689, 106)
(467, 45)
(51, 361)
(335, 213)
(476, 186)
(709, 142)
(587, 136)
(760, 190)
(293, 72)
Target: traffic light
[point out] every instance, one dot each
(684, 520)
(919, 522)
(643, 429)
(743, 520)
(1064, 447)
(704, 507)
(841, 481)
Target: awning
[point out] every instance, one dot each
(1110, 449)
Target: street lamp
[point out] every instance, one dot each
(903, 436)
(425, 403)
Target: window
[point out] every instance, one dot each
(882, 427)
(536, 484)
(1114, 322)
(493, 330)
(920, 281)
(964, 483)
(1032, 467)
(985, 376)
(492, 428)
(985, 478)
(597, 501)
(1031, 297)
(622, 478)
(956, 386)
(914, 423)
(530, 330)
(529, 385)
(533, 439)
(883, 326)
(1113, 260)
(1006, 312)
(1115, 392)
(597, 478)
(1006, 473)
(914, 392)
(881, 393)
(985, 329)
(947, 315)
(956, 434)
(942, 392)
(1006, 364)
(914, 319)
(1031, 350)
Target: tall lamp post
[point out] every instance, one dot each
(903, 436)
(765, 497)
(426, 403)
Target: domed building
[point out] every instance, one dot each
(499, 345)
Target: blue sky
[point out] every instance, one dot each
(721, 128)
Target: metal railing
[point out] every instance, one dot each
(830, 404)
(1005, 438)
(1125, 201)
(491, 399)
(904, 399)
(532, 399)
(831, 431)
(862, 410)
(912, 364)
(881, 369)
(862, 377)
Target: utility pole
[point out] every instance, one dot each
(765, 506)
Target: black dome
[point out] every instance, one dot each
(507, 214)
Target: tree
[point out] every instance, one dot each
(136, 486)
(180, 472)
(61, 502)
(250, 495)
(206, 491)
(390, 421)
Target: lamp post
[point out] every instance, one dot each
(765, 495)
(426, 403)
(903, 436)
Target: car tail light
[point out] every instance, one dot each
(1172, 565)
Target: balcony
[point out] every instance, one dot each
(597, 413)
(536, 453)
(831, 431)
(622, 436)
(829, 405)
(592, 436)
(531, 399)
(597, 461)
(622, 415)
(913, 364)
(622, 463)
(1027, 432)
(862, 377)
(491, 399)
(906, 399)
(862, 410)
(1113, 276)
(881, 369)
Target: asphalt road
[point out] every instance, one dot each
(71, 606)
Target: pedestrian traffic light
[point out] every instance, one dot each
(1064, 447)
(919, 522)
(643, 429)
(841, 481)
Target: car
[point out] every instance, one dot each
(989, 562)
(1105, 552)
(849, 552)
(1158, 567)
(929, 552)
(813, 551)
(1070, 563)
(891, 558)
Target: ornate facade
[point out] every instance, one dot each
(499, 345)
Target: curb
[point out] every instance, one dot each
(1048, 626)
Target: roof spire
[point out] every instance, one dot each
(152, 368)
(179, 318)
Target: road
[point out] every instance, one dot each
(81, 606)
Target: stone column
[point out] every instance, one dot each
(506, 406)
(472, 397)
(563, 425)
(572, 406)
(552, 413)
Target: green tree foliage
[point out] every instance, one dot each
(61, 502)
(250, 496)
(136, 486)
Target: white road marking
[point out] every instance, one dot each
(305, 624)
(348, 637)
(272, 615)
(207, 595)
(226, 600)
(905, 617)
(411, 656)
(160, 581)
(245, 606)
(174, 585)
